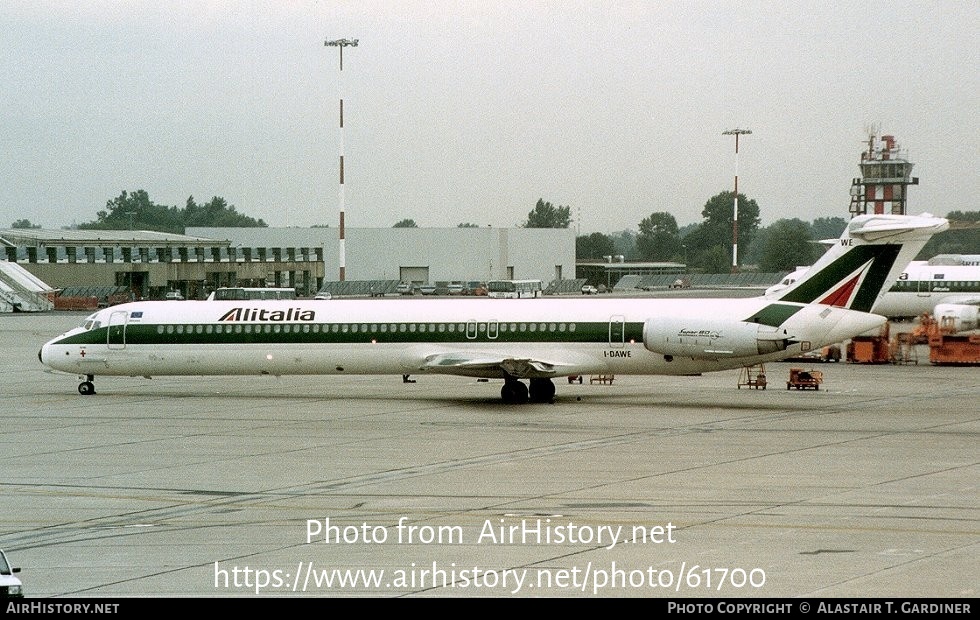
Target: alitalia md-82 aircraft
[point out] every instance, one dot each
(526, 343)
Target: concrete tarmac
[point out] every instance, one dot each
(368, 486)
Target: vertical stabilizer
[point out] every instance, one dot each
(869, 256)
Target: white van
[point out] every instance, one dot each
(10, 586)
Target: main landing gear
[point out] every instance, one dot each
(515, 392)
(85, 388)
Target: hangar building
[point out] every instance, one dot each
(424, 255)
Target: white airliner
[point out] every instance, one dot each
(946, 280)
(513, 340)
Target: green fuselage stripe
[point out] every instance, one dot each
(774, 314)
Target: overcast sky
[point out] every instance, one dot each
(471, 111)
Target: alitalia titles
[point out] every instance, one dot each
(264, 314)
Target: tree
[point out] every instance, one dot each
(963, 236)
(135, 211)
(716, 260)
(467, 226)
(594, 246)
(787, 245)
(406, 223)
(658, 239)
(546, 215)
(217, 212)
(24, 224)
(718, 215)
(827, 228)
(703, 246)
(625, 244)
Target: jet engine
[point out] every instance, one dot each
(712, 339)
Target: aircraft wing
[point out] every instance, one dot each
(967, 301)
(493, 365)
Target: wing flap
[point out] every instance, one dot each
(492, 365)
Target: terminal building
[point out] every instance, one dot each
(147, 264)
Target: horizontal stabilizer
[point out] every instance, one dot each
(896, 228)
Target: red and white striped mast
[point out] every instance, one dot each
(341, 44)
(736, 133)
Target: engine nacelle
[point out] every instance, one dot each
(712, 339)
(959, 317)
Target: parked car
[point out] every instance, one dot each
(428, 289)
(404, 288)
(323, 295)
(174, 296)
(455, 288)
(10, 586)
(588, 289)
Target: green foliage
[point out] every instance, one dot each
(827, 228)
(786, 245)
(716, 259)
(963, 236)
(718, 216)
(467, 226)
(594, 246)
(625, 242)
(702, 238)
(217, 212)
(546, 215)
(659, 239)
(406, 223)
(135, 211)
(24, 224)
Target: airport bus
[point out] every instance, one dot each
(239, 293)
(514, 289)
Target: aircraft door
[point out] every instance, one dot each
(617, 331)
(492, 329)
(116, 332)
(924, 287)
(471, 329)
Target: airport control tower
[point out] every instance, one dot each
(886, 174)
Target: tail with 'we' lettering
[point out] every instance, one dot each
(867, 259)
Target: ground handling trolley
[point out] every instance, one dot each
(804, 379)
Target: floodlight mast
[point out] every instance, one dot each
(341, 44)
(736, 133)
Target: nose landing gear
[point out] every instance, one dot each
(86, 388)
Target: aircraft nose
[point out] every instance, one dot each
(42, 354)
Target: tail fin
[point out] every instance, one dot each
(870, 255)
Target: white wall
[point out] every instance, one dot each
(448, 253)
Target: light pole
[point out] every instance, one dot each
(736, 133)
(341, 44)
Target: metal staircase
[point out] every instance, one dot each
(20, 291)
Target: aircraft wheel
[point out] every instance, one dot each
(86, 388)
(514, 392)
(542, 390)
